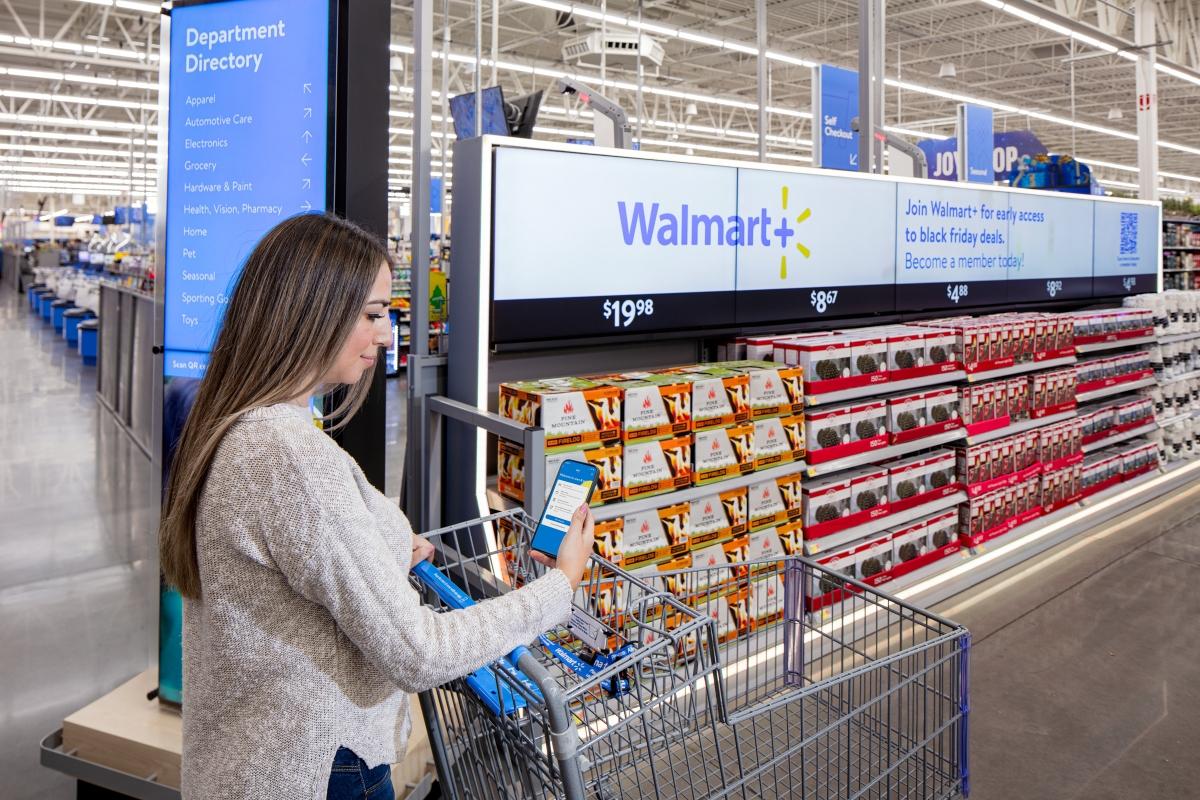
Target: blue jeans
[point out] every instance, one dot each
(350, 779)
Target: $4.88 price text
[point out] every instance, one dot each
(624, 312)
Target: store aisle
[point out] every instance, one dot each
(397, 433)
(78, 608)
(1084, 664)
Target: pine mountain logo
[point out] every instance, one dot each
(708, 508)
(645, 527)
(646, 403)
(646, 459)
(568, 407)
(649, 224)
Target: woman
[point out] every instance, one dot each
(302, 636)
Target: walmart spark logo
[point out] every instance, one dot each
(650, 224)
(804, 251)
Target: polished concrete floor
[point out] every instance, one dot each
(1084, 662)
(78, 577)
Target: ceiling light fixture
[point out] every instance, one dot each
(947, 70)
(101, 124)
(83, 101)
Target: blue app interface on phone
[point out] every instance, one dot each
(571, 489)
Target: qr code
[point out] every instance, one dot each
(1129, 232)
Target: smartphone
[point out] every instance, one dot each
(573, 486)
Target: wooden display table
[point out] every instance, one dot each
(131, 745)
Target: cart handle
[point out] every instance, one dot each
(452, 595)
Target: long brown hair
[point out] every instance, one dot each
(298, 298)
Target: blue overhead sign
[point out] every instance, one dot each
(835, 105)
(247, 147)
(975, 143)
(1008, 148)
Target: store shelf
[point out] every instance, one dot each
(1171, 420)
(890, 387)
(1096, 347)
(884, 453)
(1178, 337)
(499, 502)
(1019, 369)
(1020, 427)
(835, 540)
(1187, 376)
(1119, 388)
(928, 586)
(1188, 248)
(1120, 437)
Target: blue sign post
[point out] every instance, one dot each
(247, 147)
(835, 104)
(975, 143)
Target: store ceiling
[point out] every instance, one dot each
(71, 115)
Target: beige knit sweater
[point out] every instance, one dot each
(308, 636)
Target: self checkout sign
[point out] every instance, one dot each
(835, 104)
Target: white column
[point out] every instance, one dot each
(1145, 16)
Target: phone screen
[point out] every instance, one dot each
(572, 488)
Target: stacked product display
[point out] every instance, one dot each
(1176, 363)
(700, 466)
(1181, 253)
(918, 442)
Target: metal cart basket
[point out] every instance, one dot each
(731, 682)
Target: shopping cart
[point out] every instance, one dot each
(714, 682)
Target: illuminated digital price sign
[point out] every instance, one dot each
(641, 245)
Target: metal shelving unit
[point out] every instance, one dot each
(884, 453)
(834, 540)
(1119, 388)
(1149, 427)
(1187, 376)
(1171, 420)
(1020, 427)
(889, 387)
(943, 579)
(1096, 347)
(1019, 369)
(1178, 337)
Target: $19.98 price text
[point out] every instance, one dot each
(623, 313)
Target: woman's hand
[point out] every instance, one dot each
(422, 549)
(576, 547)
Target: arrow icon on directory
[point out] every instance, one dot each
(306, 206)
(307, 112)
(308, 88)
(306, 183)
(306, 136)
(305, 159)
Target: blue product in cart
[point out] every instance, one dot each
(583, 669)
(573, 487)
(482, 681)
